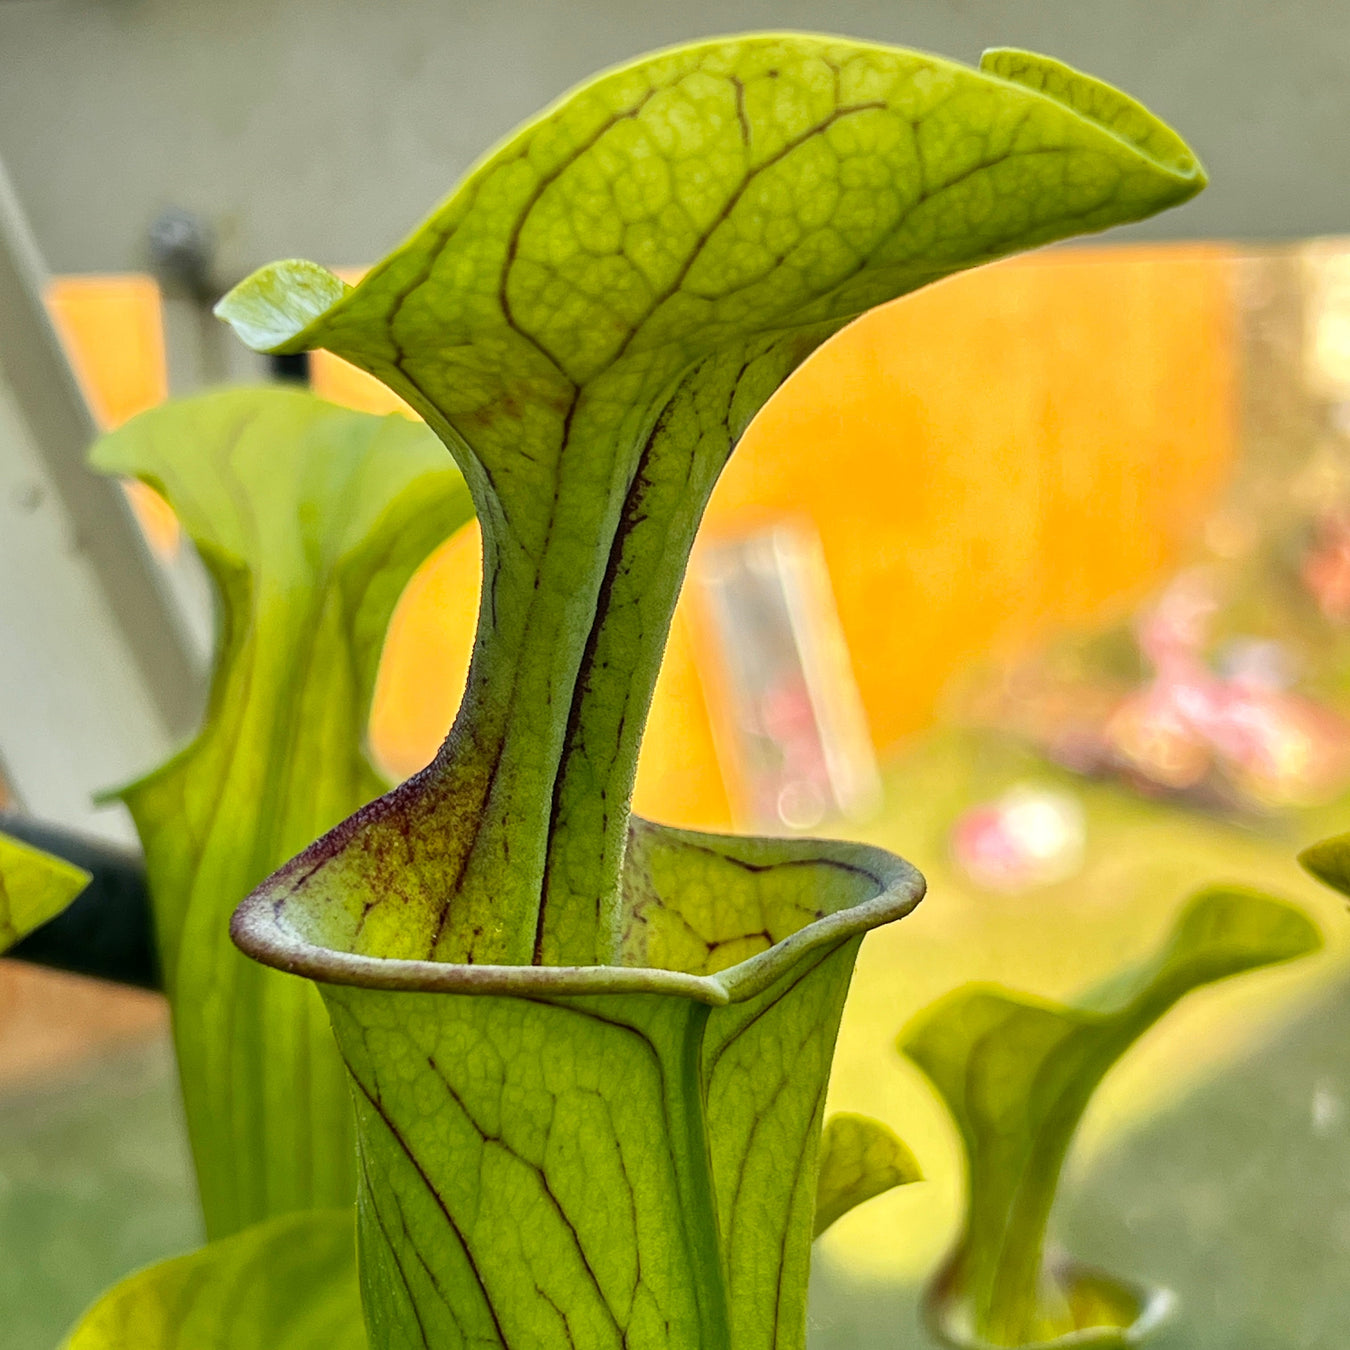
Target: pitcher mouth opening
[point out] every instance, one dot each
(263, 929)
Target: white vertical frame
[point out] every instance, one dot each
(99, 671)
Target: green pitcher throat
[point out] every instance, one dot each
(589, 1053)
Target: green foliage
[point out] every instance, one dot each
(287, 1284)
(859, 1158)
(590, 1053)
(1017, 1075)
(34, 887)
(1329, 861)
(310, 519)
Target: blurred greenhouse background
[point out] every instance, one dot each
(1040, 578)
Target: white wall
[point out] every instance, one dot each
(328, 128)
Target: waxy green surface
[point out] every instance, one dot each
(607, 1156)
(34, 887)
(589, 322)
(1017, 1075)
(310, 519)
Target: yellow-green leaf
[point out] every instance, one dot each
(34, 887)
(859, 1158)
(311, 519)
(1329, 861)
(287, 1284)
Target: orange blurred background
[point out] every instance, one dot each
(1018, 449)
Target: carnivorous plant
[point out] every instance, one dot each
(588, 1052)
(1017, 1075)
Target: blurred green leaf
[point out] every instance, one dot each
(1329, 861)
(287, 1284)
(1017, 1074)
(34, 887)
(310, 519)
